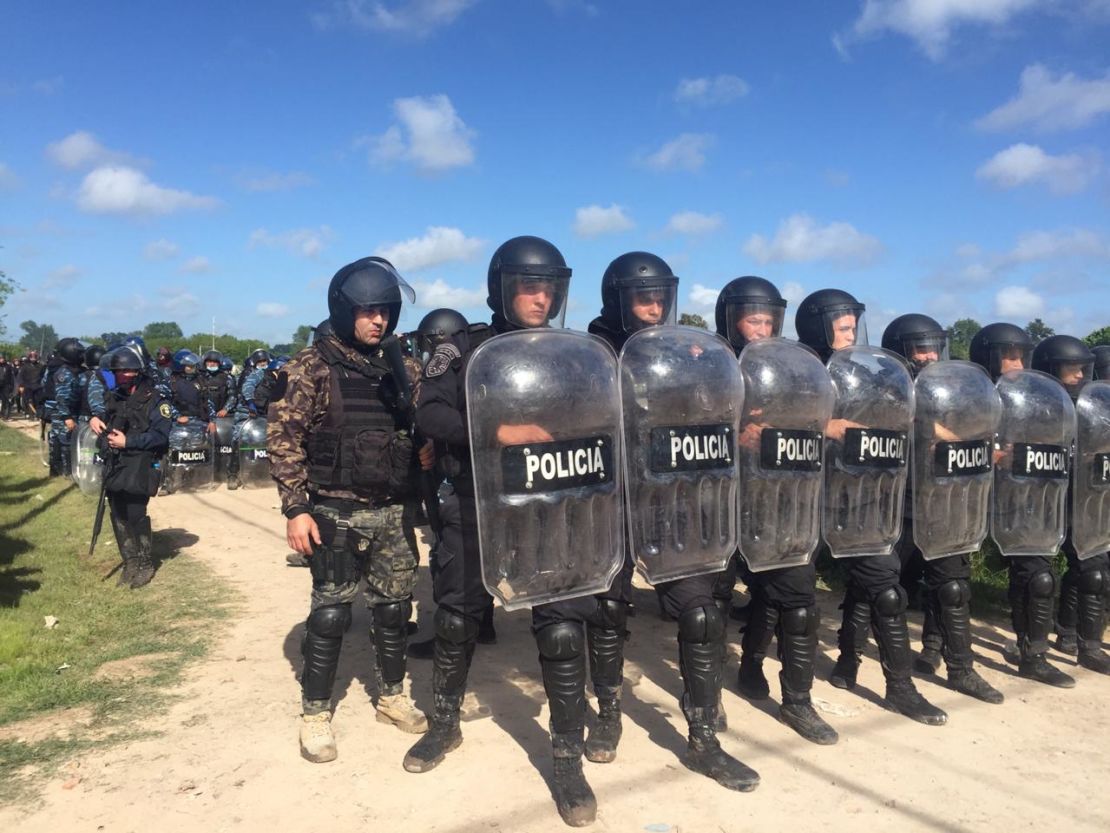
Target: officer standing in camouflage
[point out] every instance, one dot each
(63, 404)
(340, 448)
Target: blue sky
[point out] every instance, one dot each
(179, 162)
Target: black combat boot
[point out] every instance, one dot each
(573, 797)
(932, 639)
(606, 647)
(1067, 617)
(723, 607)
(797, 651)
(1090, 627)
(852, 639)
(128, 552)
(762, 620)
(954, 621)
(1032, 635)
(144, 562)
(889, 619)
(704, 754)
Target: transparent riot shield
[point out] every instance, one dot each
(1035, 434)
(544, 413)
(1090, 503)
(88, 465)
(955, 420)
(681, 394)
(867, 451)
(254, 465)
(788, 400)
(225, 446)
(190, 462)
(44, 443)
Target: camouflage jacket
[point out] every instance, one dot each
(299, 405)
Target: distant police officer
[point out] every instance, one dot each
(1102, 362)
(219, 387)
(7, 386)
(28, 382)
(1081, 616)
(137, 434)
(63, 401)
(340, 447)
(190, 403)
(245, 408)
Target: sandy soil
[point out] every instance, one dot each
(226, 755)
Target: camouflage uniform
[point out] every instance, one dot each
(65, 405)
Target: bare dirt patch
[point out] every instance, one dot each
(132, 668)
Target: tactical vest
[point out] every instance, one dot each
(188, 397)
(264, 390)
(363, 443)
(215, 389)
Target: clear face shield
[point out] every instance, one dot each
(532, 301)
(647, 306)
(845, 327)
(1007, 357)
(1073, 375)
(748, 322)
(922, 349)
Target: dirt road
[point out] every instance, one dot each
(226, 757)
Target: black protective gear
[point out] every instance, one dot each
(71, 351)
(438, 326)
(912, 334)
(323, 639)
(1052, 354)
(573, 797)
(564, 674)
(989, 345)
(818, 311)
(369, 282)
(798, 651)
(892, 601)
(631, 273)
(525, 258)
(953, 618)
(889, 623)
(1031, 609)
(605, 640)
(144, 563)
(1102, 362)
(1091, 621)
(744, 296)
(93, 354)
(763, 619)
(123, 358)
(389, 631)
(321, 330)
(704, 754)
(851, 639)
(256, 358)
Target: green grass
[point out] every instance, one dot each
(45, 571)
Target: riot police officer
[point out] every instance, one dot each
(1080, 618)
(7, 386)
(163, 361)
(28, 382)
(63, 401)
(245, 408)
(783, 601)
(219, 387)
(190, 401)
(1102, 362)
(828, 320)
(340, 448)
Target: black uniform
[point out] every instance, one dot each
(7, 387)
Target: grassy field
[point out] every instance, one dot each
(114, 652)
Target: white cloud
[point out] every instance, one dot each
(162, 249)
(410, 17)
(1051, 247)
(793, 292)
(120, 190)
(181, 303)
(8, 179)
(1018, 302)
(929, 23)
(271, 182)
(1045, 245)
(439, 245)
(593, 220)
(196, 265)
(1023, 164)
(83, 150)
(694, 223)
(703, 297)
(439, 293)
(683, 153)
(269, 309)
(1049, 103)
(430, 136)
(306, 242)
(709, 91)
(62, 278)
(800, 239)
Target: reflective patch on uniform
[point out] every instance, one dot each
(441, 360)
(164, 410)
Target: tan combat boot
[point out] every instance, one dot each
(399, 710)
(317, 740)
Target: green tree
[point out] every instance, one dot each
(1038, 330)
(41, 337)
(157, 333)
(1100, 336)
(960, 335)
(692, 319)
(301, 337)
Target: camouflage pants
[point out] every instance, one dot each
(59, 439)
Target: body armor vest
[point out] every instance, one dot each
(215, 388)
(188, 397)
(130, 413)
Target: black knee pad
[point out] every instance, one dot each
(1092, 582)
(560, 641)
(612, 614)
(892, 601)
(392, 615)
(329, 621)
(954, 593)
(799, 621)
(1043, 585)
(702, 624)
(454, 627)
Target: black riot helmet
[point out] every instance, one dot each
(70, 350)
(212, 356)
(258, 357)
(438, 326)
(1102, 362)
(917, 338)
(997, 348)
(749, 305)
(369, 282)
(1068, 359)
(322, 330)
(830, 317)
(93, 354)
(522, 268)
(637, 288)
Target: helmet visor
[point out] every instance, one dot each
(1073, 374)
(534, 300)
(1007, 357)
(922, 349)
(647, 306)
(749, 321)
(845, 327)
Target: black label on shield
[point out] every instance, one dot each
(787, 449)
(1100, 470)
(691, 448)
(535, 468)
(877, 448)
(963, 458)
(181, 457)
(1037, 460)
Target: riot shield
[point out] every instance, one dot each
(254, 465)
(88, 465)
(1029, 503)
(225, 446)
(1090, 503)
(788, 400)
(544, 413)
(867, 451)
(190, 463)
(955, 420)
(44, 443)
(681, 394)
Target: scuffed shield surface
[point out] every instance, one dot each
(1091, 490)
